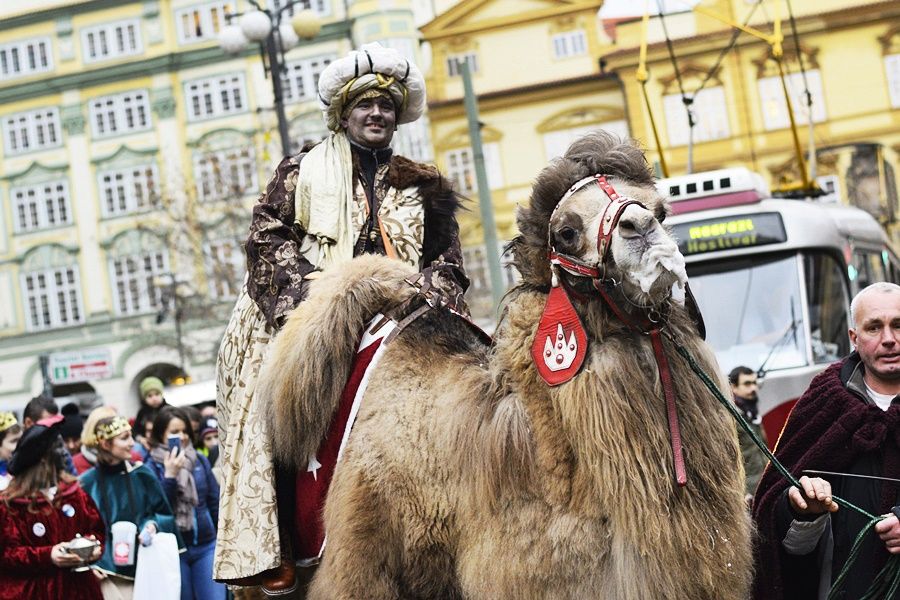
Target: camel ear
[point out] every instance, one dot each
(560, 343)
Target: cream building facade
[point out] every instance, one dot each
(850, 54)
(535, 72)
(133, 149)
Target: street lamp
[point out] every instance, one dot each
(264, 26)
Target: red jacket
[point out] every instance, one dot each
(27, 536)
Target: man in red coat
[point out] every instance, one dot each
(848, 422)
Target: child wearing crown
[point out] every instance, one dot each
(10, 432)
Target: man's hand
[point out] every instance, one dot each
(889, 531)
(62, 558)
(815, 498)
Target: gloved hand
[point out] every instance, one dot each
(147, 533)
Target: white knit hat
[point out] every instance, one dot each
(371, 67)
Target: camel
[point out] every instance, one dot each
(467, 475)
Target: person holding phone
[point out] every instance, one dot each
(193, 493)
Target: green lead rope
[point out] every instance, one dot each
(887, 582)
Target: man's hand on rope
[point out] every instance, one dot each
(815, 498)
(889, 531)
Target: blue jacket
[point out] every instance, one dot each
(206, 513)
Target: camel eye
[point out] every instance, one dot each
(567, 234)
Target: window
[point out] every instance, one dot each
(557, 142)
(461, 168)
(52, 298)
(892, 68)
(25, 57)
(225, 174)
(133, 281)
(32, 130)
(225, 267)
(215, 96)
(412, 141)
(570, 43)
(111, 40)
(710, 117)
(828, 302)
(41, 206)
(320, 7)
(127, 191)
(301, 81)
(454, 61)
(120, 113)
(774, 108)
(201, 23)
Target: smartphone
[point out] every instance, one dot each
(174, 442)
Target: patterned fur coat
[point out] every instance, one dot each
(248, 540)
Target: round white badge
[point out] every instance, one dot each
(39, 529)
(68, 510)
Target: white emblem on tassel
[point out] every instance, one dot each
(559, 353)
(313, 467)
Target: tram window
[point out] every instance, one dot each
(828, 302)
(869, 267)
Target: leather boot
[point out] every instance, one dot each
(282, 580)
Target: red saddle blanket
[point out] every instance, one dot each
(312, 484)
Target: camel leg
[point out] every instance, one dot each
(362, 551)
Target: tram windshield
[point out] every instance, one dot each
(754, 313)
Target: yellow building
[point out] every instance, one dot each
(133, 148)
(850, 53)
(535, 72)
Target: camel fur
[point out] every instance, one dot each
(466, 476)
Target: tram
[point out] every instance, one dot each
(774, 277)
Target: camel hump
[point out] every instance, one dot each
(303, 375)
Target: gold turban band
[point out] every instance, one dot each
(7, 420)
(108, 431)
(357, 89)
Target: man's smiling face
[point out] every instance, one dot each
(371, 122)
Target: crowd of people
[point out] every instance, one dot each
(115, 482)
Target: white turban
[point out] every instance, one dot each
(372, 67)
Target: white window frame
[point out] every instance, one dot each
(475, 262)
(31, 130)
(209, 18)
(461, 168)
(557, 142)
(111, 41)
(892, 73)
(134, 290)
(41, 206)
(128, 191)
(774, 108)
(228, 253)
(569, 44)
(320, 7)
(710, 112)
(120, 113)
(301, 80)
(241, 179)
(52, 298)
(25, 57)
(213, 97)
(412, 140)
(453, 61)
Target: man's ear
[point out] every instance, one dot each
(343, 123)
(852, 333)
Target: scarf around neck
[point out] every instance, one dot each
(187, 499)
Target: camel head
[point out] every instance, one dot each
(596, 212)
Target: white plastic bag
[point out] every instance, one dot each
(158, 574)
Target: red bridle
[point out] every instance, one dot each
(643, 324)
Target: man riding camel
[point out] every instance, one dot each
(346, 196)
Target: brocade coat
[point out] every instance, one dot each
(248, 541)
(27, 535)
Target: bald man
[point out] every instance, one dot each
(848, 422)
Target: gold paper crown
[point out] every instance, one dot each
(7, 420)
(108, 431)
